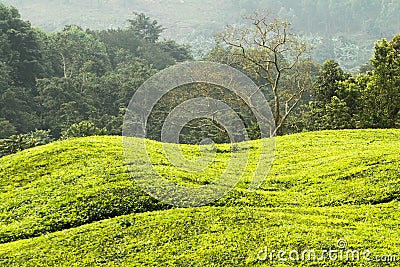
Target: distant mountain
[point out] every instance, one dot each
(341, 29)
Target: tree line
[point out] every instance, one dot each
(53, 80)
(306, 96)
(78, 82)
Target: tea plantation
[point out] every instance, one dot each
(75, 203)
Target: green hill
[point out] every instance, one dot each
(74, 203)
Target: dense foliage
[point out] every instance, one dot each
(51, 81)
(367, 100)
(60, 81)
(340, 29)
(20, 142)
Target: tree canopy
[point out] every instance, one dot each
(79, 81)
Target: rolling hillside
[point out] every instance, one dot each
(74, 203)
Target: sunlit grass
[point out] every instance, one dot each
(75, 203)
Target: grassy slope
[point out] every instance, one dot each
(323, 186)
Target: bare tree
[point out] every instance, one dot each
(267, 49)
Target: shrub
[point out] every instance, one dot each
(19, 142)
(82, 129)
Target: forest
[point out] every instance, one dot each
(343, 30)
(78, 82)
